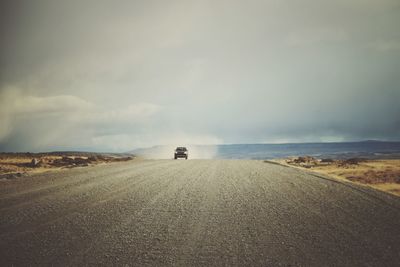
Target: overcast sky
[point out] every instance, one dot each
(118, 75)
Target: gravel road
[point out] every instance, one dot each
(195, 212)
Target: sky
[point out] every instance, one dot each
(119, 75)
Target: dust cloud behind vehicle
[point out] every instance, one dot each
(167, 152)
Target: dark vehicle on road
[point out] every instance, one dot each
(181, 152)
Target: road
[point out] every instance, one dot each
(195, 213)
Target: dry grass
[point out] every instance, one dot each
(380, 174)
(13, 165)
(20, 164)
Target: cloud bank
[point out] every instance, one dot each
(117, 75)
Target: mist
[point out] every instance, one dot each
(119, 75)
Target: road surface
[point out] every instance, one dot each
(195, 213)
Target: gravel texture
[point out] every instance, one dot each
(195, 212)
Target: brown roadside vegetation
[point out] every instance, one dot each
(382, 174)
(13, 165)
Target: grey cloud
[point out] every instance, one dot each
(63, 120)
(385, 45)
(140, 73)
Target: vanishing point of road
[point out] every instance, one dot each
(195, 213)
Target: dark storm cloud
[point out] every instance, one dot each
(114, 75)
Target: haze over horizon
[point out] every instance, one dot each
(119, 75)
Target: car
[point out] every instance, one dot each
(181, 152)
